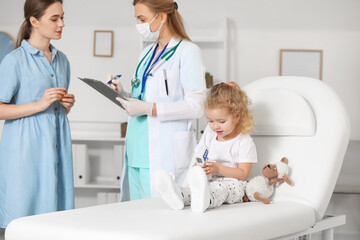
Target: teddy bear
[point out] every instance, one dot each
(260, 188)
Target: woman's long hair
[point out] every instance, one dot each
(170, 8)
(32, 8)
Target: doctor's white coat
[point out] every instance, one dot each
(171, 139)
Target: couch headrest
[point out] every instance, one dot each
(281, 112)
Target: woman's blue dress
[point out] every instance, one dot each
(36, 173)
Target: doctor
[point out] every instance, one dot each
(168, 91)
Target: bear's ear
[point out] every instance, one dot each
(284, 160)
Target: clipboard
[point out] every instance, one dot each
(104, 89)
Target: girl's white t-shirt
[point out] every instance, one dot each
(240, 149)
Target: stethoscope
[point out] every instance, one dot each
(149, 69)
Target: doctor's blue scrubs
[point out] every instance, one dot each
(137, 147)
(36, 174)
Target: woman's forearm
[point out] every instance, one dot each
(12, 111)
(189, 108)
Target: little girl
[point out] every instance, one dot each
(231, 153)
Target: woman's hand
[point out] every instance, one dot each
(68, 101)
(135, 107)
(51, 95)
(115, 84)
(211, 168)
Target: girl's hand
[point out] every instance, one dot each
(51, 95)
(68, 101)
(211, 168)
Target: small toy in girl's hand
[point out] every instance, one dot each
(201, 155)
(200, 161)
(261, 188)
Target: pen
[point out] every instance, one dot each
(166, 84)
(114, 78)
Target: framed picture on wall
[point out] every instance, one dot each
(300, 62)
(103, 43)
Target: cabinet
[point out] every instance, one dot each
(98, 156)
(97, 163)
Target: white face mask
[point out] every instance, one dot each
(145, 31)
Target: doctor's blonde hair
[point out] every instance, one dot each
(230, 96)
(174, 18)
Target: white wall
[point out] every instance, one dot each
(258, 29)
(90, 105)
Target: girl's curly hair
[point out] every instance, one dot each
(229, 95)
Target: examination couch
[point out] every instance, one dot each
(295, 117)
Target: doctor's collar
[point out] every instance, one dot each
(173, 42)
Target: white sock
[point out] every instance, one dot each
(200, 194)
(168, 190)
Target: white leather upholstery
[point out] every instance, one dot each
(151, 220)
(315, 160)
(275, 114)
(314, 139)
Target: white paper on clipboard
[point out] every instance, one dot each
(105, 90)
